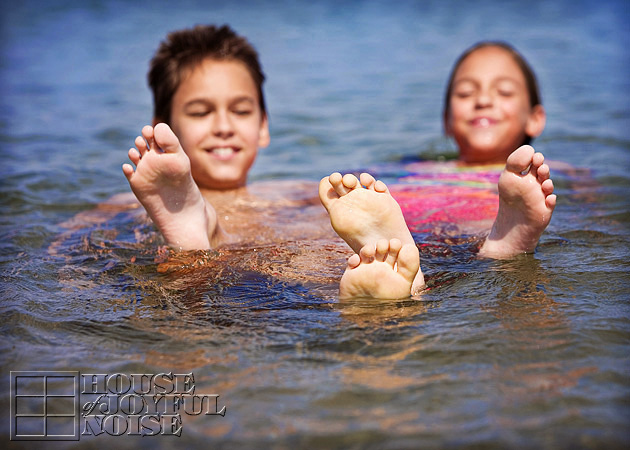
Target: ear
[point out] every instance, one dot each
(536, 121)
(263, 136)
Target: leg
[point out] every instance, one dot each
(526, 202)
(362, 216)
(385, 271)
(163, 183)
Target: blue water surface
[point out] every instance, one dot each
(531, 352)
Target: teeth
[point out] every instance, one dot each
(223, 151)
(484, 122)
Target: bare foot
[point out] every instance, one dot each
(163, 183)
(362, 216)
(385, 271)
(526, 202)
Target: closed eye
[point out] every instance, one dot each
(198, 113)
(464, 94)
(243, 112)
(243, 106)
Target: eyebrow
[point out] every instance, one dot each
(235, 100)
(496, 80)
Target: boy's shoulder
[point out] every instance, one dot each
(103, 212)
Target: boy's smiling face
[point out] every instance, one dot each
(490, 111)
(217, 117)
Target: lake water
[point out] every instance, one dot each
(532, 352)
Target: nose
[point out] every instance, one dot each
(222, 125)
(483, 99)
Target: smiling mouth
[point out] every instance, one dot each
(223, 152)
(483, 122)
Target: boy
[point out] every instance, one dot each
(209, 122)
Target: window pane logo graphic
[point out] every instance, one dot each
(45, 406)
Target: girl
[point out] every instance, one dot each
(492, 110)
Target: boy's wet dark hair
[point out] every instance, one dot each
(530, 78)
(184, 49)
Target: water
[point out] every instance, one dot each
(526, 353)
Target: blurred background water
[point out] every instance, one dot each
(527, 353)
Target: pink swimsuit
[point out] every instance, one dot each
(445, 192)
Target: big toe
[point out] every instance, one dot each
(165, 138)
(408, 261)
(520, 159)
(327, 191)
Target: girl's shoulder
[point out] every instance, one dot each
(450, 173)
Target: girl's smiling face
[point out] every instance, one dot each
(216, 115)
(490, 111)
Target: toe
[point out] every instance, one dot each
(543, 173)
(550, 201)
(134, 156)
(538, 159)
(354, 261)
(147, 132)
(128, 171)
(367, 253)
(327, 192)
(367, 180)
(382, 250)
(165, 138)
(520, 159)
(148, 136)
(350, 181)
(379, 186)
(547, 187)
(334, 178)
(141, 145)
(408, 261)
(394, 247)
(336, 181)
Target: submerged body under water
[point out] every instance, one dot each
(493, 348)
(529, 352)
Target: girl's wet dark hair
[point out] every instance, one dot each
(184, 49)
(530, 77)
